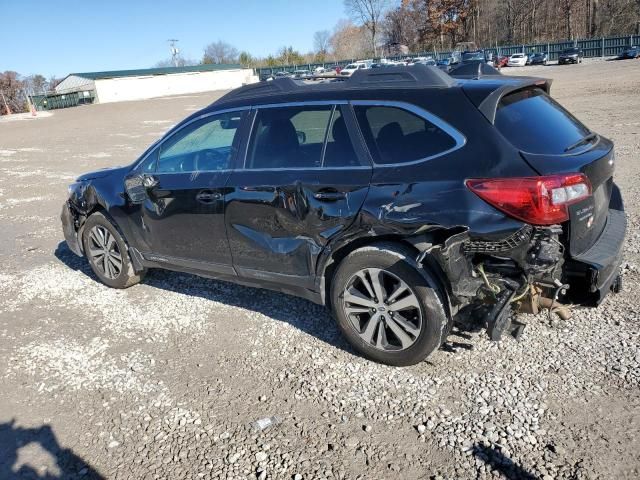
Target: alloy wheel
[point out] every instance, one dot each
(104, 252)
(383, 309)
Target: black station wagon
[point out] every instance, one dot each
(403, 199)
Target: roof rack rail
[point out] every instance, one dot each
(401, 76)
(278, 85)
(415, 75)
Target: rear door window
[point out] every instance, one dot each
(535, 123)
(395, 135)
(289, 137)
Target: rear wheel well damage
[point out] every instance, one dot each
(404, 246)
(484, 280)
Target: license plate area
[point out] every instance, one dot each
(588, 218)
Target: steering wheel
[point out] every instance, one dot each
(209, 159)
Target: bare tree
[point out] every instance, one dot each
(321, 41)
(370, 14)
(11, 87)
(35, 84)
(220, 52)
(348, 41)
(181, 61)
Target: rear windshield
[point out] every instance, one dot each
(535, 123)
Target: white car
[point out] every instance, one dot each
(517, 60)
(352, 67)
(319, 70)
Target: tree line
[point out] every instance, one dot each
(376, 28)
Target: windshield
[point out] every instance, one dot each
(535, 123)
(570, 50)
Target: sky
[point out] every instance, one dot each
(64, 36)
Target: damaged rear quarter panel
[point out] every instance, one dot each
(436, 199)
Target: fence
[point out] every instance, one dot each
(591, 47)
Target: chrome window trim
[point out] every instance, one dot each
(294, 169)
(170, 134)
(458, 137)
(301, 103)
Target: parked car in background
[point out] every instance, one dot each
(501, 61)
(422, 60)
(444, 64)
(319, 70)
(301, 73)
(631, 52)
(570, 55)
(282, 74)
(517, 60)
(402, 203)
(352, 67)
(427, 61)
(538, 58)
(477, 56)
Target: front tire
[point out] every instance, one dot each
(107, 253)
(388, 311)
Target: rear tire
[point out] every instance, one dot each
(409, 321)
(107, 253)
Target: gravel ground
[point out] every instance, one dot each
(164, 380)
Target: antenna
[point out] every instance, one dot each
(174, 50)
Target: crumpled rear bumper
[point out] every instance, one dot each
(592, 273)
(69, 229)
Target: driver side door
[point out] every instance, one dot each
(183, 215)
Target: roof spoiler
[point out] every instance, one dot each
(489, 105)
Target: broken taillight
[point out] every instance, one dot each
(535, 200)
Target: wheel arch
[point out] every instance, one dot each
(408, 247)
(134, 255)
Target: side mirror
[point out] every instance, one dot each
(302, 137)
(137, 186)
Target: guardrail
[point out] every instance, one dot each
(591, 47)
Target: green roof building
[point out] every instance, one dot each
(124, 85)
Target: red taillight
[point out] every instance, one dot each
(535, 200)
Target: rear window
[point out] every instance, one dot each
(535, 123)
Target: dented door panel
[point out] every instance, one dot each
(279, 221)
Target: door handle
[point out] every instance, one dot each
(329, 195)
(208, 196)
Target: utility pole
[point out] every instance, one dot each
(6, 106)
(174, 51)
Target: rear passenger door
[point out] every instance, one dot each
(303, 182)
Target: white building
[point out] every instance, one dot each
(123, 85)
